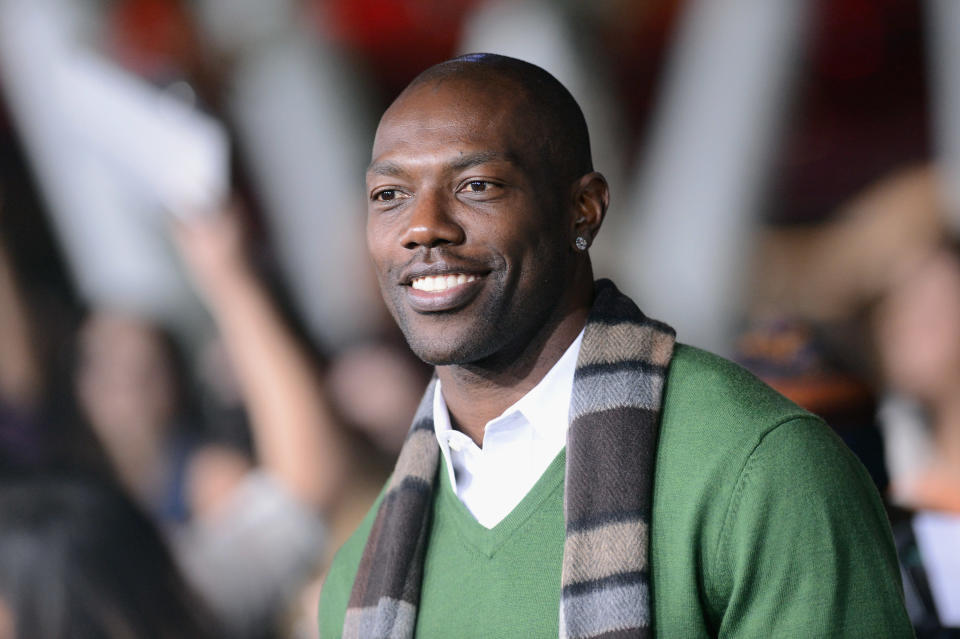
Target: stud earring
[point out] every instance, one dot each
(581, 243)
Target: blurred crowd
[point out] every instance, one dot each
(200, 392)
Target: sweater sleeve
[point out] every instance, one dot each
(805, 548)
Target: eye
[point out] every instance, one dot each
(484, 188)
(477, 186)
(386, 195)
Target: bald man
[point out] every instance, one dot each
(572, 471)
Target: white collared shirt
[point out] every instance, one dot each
(518, 446)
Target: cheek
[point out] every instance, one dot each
(378, 247)
(373, 238)
(544, 254)
(520, 233)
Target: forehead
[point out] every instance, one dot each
(454, 117)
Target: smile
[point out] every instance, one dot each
(432, 283)
(444, 292)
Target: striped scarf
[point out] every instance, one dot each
(611, 447)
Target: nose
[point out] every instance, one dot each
(431, 222)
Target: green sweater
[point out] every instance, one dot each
(763, 525)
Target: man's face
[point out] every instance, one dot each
(466, 225)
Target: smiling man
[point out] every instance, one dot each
(572, 471)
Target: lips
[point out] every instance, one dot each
(439, 283)
(440, 288)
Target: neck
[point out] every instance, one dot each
(479, 392)
(137, 459)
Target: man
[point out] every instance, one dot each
(572, 471)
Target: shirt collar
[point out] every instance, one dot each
(546, 406)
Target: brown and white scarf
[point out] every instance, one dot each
(611, 448)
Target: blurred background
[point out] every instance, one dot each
(190, 332)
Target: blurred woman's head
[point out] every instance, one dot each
(79, 561)
(918, 328)
(126, 375)
(131, 388)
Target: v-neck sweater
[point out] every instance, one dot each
(763, 525)
(524, 550)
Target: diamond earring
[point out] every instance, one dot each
(581, 243)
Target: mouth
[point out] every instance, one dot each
(442, 292)
(437, 283)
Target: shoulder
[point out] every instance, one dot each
(719, 419)
(713, 408)
(726, 438)
(761, 491)
(701, 382)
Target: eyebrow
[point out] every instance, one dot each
(386, 168)
(462, 162)
(481, 157)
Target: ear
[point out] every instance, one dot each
(591, 196)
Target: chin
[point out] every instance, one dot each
(437, 353)
(450, 350)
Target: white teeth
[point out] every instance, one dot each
(432, 283)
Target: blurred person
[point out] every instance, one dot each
(324, 445)
(211, 499)
(131, 388)
(299, 433)
(882, 267)
(571, 469)
(830, 272)
(388, 367)
(78, 560)
(917, 327)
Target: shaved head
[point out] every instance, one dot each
(551, 116)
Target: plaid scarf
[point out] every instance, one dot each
(611, 447)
